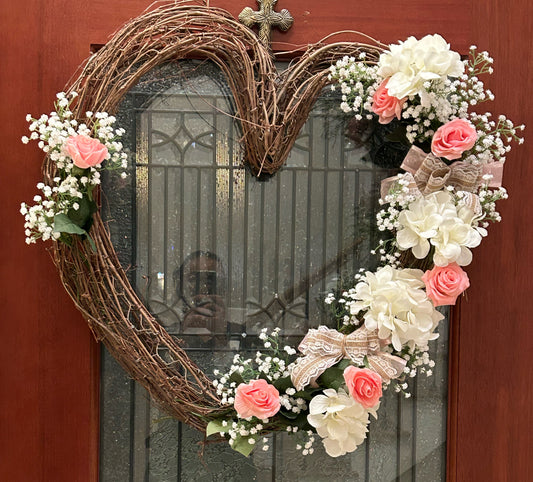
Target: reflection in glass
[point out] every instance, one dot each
(216, 254)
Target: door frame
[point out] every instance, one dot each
(50, 360)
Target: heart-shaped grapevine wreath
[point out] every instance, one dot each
(432, 216)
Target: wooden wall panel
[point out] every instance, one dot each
(19, 367)
(49, 363)
(495, 386)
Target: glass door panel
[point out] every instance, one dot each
(217, 255)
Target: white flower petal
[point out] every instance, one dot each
(333, 447)
(421, 250)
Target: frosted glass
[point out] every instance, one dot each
(269, 252)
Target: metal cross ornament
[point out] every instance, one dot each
(266, 18)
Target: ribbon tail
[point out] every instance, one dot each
(413, 160)
(386, 365)
(496, 169)
(386, 184)
(310, 367)
(471, 201)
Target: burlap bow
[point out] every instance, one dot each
(324, 347)
(427, 173)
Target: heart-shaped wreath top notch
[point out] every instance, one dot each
(271, 107)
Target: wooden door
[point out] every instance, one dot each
(50, 367)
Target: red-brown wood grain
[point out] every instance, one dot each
(49, 362)
(495, 394)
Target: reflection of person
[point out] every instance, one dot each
(200, 287)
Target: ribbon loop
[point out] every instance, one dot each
(426, 174)
(431, 174)
(324, 347)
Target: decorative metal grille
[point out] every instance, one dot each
(216, 254)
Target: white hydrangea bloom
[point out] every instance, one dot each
(455, 236)
(420, 222)
(339, 420)
(411, 63)
(397, 306)
(436, 220)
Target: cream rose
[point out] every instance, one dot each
(454, 138)
(445, 283)
(386, 106)
(257, 399)
(364, 385)
(85, 151)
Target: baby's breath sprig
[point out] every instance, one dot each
(358, 80)
(418, 362)
(65, 207)
(487, 199)
(478, 63)
(306, 441)
(335, 306)
(388, 252)
(494, 138)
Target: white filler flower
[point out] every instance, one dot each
(397, 306)
(339, 420)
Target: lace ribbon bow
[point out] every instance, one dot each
(426, 173)
(324, 347)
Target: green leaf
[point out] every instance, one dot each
(78, 171)
(236, 377)
(242, 445)
(83, 215)
(66, 238)
(215, 426)
(332, 378)
(308, 393)
(398, 134)
(343, 364)
(288, 414)
(282, 384)
(91, 242)
(63, 224)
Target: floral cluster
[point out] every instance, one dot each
(78, 150)
(425, 85)
(264, 399)
(431, 217)
(438, 210)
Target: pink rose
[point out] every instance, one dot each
(386, 106)
(85, 151)
(364, 385)
(453, 138)
(257, 399)
(445, 283)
